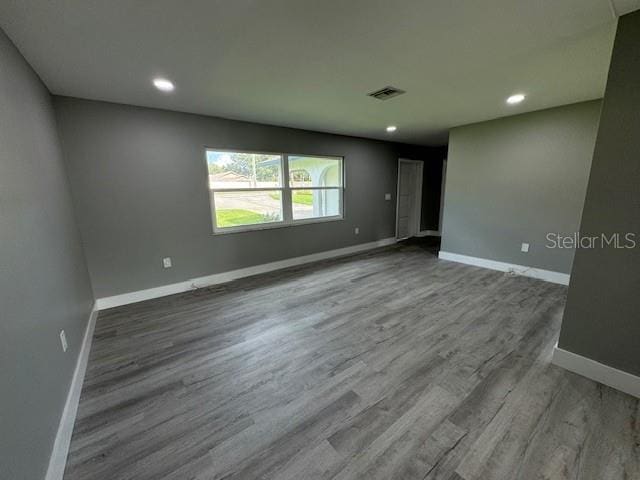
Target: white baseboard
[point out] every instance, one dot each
(139, 296)
(58, 458)
(612, 377)
(546, 275)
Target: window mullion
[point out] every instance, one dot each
(287, 208)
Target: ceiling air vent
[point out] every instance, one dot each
(386, 93)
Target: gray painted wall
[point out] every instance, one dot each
(44, 285)
(515, 179)
(138, 178)
(602, 316)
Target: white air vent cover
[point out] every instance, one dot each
(386, 93)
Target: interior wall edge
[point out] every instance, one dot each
(45, 288)
(610, 376)
(58, 459)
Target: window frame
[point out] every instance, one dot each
(285, 190)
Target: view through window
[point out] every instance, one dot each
(249, 190)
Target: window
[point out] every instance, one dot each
(261, 190)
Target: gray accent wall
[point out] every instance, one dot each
(602, 316)
(44, 284)
(139, 182)
(513, 180)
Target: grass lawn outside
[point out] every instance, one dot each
(301, 197)
(236, 217)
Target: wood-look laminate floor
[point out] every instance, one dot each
(386, 365)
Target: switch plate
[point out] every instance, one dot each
(166, 262)
(387, 196)
(357, 230)
(524, 248)
(63, 341)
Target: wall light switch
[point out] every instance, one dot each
(387, 196)
(357, 230)
(63, 340)
(166, 262)
(525, 248)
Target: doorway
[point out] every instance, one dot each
(409, 198)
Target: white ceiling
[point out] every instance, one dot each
(310, 63)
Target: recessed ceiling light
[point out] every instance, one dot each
(163, 84)
(391, 128)
(517, 98)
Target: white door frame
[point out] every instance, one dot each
(418, 197)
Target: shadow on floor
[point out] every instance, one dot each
(430, 244)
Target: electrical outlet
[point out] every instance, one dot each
(357, 230)
(387, 196)
(524, 248)
(166, 262)
(63, 341)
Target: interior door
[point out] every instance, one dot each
(407, 190)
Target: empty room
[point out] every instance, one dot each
(319, 240)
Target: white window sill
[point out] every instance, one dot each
(269, 226)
